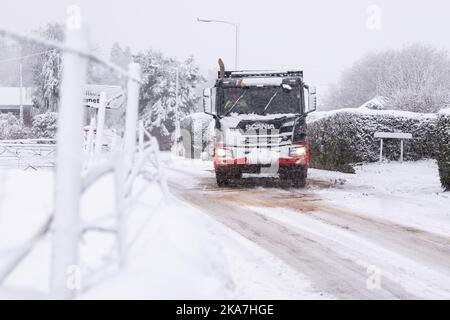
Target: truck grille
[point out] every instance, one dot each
(266, 140)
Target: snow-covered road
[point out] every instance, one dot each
(350, 235)
(383, 232)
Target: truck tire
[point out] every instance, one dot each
(297, 177)
(223, 177)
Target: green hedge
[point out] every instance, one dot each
(341, 138)
(443, 147)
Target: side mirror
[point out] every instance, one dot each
(312, 100)
(207, 101)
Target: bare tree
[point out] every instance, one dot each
(414, 78)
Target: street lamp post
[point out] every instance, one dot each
(177, 89)
(21, 93)
(177, 105)
(236, 28)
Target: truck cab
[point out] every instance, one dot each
(260, 124)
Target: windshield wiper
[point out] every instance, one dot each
(270, 101)
(236, 102)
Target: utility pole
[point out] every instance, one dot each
(236, 53)
(20, 93)
(177, 110)
(177, 88)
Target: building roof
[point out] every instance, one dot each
(10, 96)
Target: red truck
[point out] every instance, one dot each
(260, 124)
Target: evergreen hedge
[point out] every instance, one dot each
(443, 147)
(341, 138)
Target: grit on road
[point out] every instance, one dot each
(345, 253)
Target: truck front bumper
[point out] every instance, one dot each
(261, 158)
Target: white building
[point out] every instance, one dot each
(10, 101)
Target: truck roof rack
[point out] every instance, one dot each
(261, 73)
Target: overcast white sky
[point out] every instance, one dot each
(322, 37)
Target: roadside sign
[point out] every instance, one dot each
(393, 135)
(92, 96)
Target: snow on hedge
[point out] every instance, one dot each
(11, 128)
(44, 125)
(340, 138)
(443, 147)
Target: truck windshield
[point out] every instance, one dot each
(254, 99)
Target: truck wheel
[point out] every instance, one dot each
(223, 177)
(297, 177)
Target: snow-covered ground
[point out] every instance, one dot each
(247, 242)
(390, 221)
(407, 193)
(409, 196)
(176, 251)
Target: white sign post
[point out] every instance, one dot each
(100, 125)
(93, 92)
(392, 135)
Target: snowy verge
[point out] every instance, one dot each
(175, 251)
(184, 254)
(406, 193)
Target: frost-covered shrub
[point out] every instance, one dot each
(197, 134)
(44, 125)
(443, 147)
(11, 128)
(343, 137)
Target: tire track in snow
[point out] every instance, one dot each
(425, 252)
(329, 272)
(411, 242)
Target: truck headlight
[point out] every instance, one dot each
(223, 153)
(297, 151)
(288, 124)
